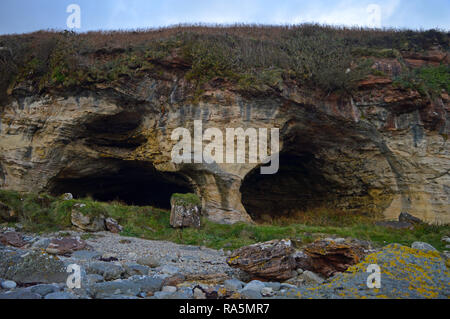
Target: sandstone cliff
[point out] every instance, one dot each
(378, 148)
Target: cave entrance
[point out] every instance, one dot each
(134, 183)
(299, 185)
(322, 167)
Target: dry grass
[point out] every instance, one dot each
(251, 56)
(320, 216)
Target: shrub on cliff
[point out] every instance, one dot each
(252, 57)
(426, 80)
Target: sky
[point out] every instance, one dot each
(22, 16)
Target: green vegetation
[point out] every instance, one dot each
(426, 80)
(252, 57)
(44, 213)
(378, 53)
(190, 198)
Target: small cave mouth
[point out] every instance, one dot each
(132, 183)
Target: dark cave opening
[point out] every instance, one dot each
(297, 186)
(134, 183)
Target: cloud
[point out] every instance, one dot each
(348, 12)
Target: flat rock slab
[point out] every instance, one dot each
(31, 267)
(86, 255)
(20, 294)
(60, 295)
(270, 260)
(63, 246)
(106, 270)
(12, 239)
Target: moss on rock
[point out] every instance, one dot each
(185, 199)
(405, 273)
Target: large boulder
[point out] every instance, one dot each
(422, 246)
(271, 260)
(86, 222)
(29, 268)
(113, 226)
(186, 211)
(404, 273)
(105, 290)
(328, 257)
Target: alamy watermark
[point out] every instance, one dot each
(74, 279)
(231, 150)
(374, 16)
(74, 19)
(374, 279)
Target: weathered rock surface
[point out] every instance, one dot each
(107, 270)
(63, 246)
(381, 150)
(112, 225)
(423, 246)
(86, 222)
(269, 260)
(327, 257)
(184, 213)
(405, 273)
(86, 255)
(149, 261)
(407, 218)
(31, 267)
(12, 239)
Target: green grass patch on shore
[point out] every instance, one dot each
(42, 213)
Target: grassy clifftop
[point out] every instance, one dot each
(249, 57)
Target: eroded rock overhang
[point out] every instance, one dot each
(364, 153)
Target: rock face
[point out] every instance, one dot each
(269, 260)
(327, 257)
(382, 150)
(185, 212)
(86, 222)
